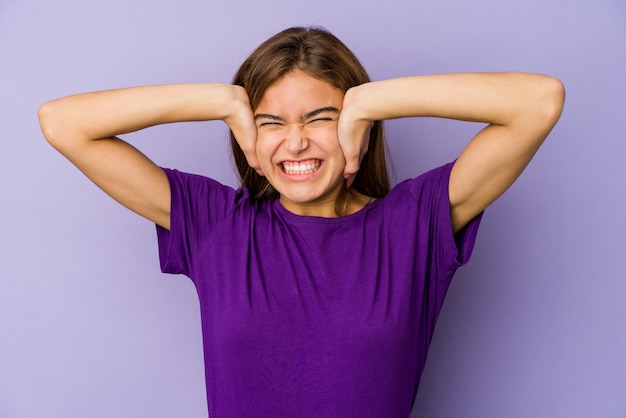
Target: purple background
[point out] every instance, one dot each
(535, 326)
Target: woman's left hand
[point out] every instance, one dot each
(353, 132)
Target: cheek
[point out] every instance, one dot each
(329, 141)
(266, 146)
(325, 137)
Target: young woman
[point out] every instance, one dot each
(319, 286)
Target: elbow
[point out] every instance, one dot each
(56, 126)
(48, 121)
(552, 98)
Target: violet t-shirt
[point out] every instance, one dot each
(309, 316)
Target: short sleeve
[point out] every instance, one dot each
(198, 203)
(449, 251)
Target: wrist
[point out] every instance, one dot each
(355, 104)
(235, 102)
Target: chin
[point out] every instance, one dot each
(303, 197)
(308, 194)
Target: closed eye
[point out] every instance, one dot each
(319, 121)
(267, 120)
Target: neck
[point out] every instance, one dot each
(346, 202)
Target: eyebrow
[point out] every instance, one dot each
(306, 116)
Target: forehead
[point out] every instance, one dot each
(298, 93)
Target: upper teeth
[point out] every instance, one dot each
(300, 168)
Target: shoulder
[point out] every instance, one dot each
(191, 180)
(430, 184)
(202, 195)
(424, 199)
(198, 184)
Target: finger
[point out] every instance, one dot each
(248, 147)
(350, 181)
(253, 162)
(354, 164)
(351, 155)
(354, 150)
(351, 168)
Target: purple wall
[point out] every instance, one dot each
(535, 326)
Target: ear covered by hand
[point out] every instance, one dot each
(241, 122)
(354, 133)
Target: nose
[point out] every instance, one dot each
(296, 140)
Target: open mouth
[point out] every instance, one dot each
(298, 168)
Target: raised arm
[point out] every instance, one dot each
(84, 129)
(520, 110)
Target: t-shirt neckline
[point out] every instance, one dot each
(293, 217)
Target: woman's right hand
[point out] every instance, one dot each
(241, 122)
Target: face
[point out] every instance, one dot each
(297, 144)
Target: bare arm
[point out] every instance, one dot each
(520, 110)
(84, 129)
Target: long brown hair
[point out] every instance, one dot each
(320, 54)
